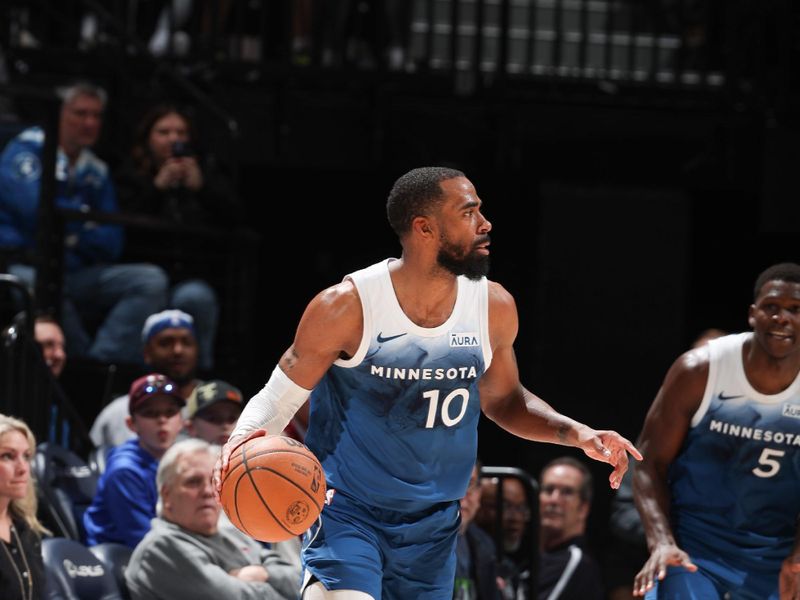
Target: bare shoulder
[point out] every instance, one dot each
(693, 364)
(332, 321)
(503, 318)
(500, 299)
(685, 382)
(336, 306)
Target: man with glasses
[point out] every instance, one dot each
(566, 570)
(516, 524)
(126, 497)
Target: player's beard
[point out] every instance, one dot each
(470, 264)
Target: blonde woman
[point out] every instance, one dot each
(22, 573)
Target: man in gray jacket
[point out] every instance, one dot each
(187, 555)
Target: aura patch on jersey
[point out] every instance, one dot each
(464, 340)
(791, 410)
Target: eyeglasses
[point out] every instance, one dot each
(520, 510)
(564, 490)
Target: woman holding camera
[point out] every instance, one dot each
(166, 178)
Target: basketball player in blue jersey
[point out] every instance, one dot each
(719, 487)
(402, 356)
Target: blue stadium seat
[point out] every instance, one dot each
(74, 573)
(66, 486)
(115, 558)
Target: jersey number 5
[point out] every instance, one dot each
(768, 464)
(433, 406)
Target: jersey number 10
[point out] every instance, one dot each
(433, 407)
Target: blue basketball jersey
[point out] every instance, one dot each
(395, 426)
(736, 483)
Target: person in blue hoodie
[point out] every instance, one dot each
(96, 289)
(126, 497)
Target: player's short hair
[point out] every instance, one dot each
(586, 490)
(786, 271)
(414, 193)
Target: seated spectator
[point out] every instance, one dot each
(22, 574)
(476, 554)
(170, 347)
(566, 569)
(186, 555)
(167, 177)
(212, 410)
(96, 289)
(126, 496)
(513, 568)
(50, 337)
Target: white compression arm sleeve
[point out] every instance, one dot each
(273, 407)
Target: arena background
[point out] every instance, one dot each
(628, 213)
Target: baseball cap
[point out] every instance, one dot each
(164, 320)
(211, 392)
(150, 386)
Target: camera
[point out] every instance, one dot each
(181, 149)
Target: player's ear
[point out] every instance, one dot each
(751, 320)
(422, 226)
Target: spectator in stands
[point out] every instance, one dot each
(22, 572)
(126, 496)
(170, 347)
(95, 288)
(50, 337)
(212, 410)
(167, 177)
(476, 555)
(513, 569)
(566, 569)
(186, 555)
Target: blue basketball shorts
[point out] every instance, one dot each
(388, 554)
(714, 579)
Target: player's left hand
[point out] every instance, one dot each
(789, 581)
(609, 447)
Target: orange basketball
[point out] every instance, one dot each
(274, 488)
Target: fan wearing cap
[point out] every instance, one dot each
(212, 411)
(170, 347)
(126, 497)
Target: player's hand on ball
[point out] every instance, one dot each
(225, 456)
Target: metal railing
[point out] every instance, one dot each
(680, 43)
(29, 390)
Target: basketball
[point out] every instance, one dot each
(274, 488)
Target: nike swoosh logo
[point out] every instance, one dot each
(722, 396)
(382, 339)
